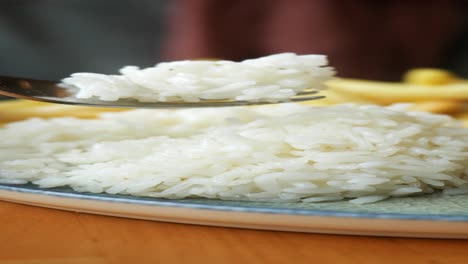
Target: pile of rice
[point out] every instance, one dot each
(272, 78)
(284, 152)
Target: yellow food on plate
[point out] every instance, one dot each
(439, 106)
(387, 93)
(429, 90)
(429, 76)
(463, 117)
(15, 110)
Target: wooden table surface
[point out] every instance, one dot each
(30, 235)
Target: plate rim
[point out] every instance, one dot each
(102, 197)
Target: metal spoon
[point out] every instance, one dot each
(50, 91)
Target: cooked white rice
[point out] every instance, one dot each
(285, 152)
(272, 78)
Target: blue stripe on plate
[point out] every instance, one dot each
(220, 205)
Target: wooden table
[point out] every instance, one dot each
(30, 235)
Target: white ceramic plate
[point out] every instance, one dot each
(434, 216)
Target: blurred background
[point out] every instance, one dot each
(377, 40)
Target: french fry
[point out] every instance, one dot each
(430, 77)
(439, 107)
(431, 90)
(463, 117)
(16, 110)
(388, 93)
